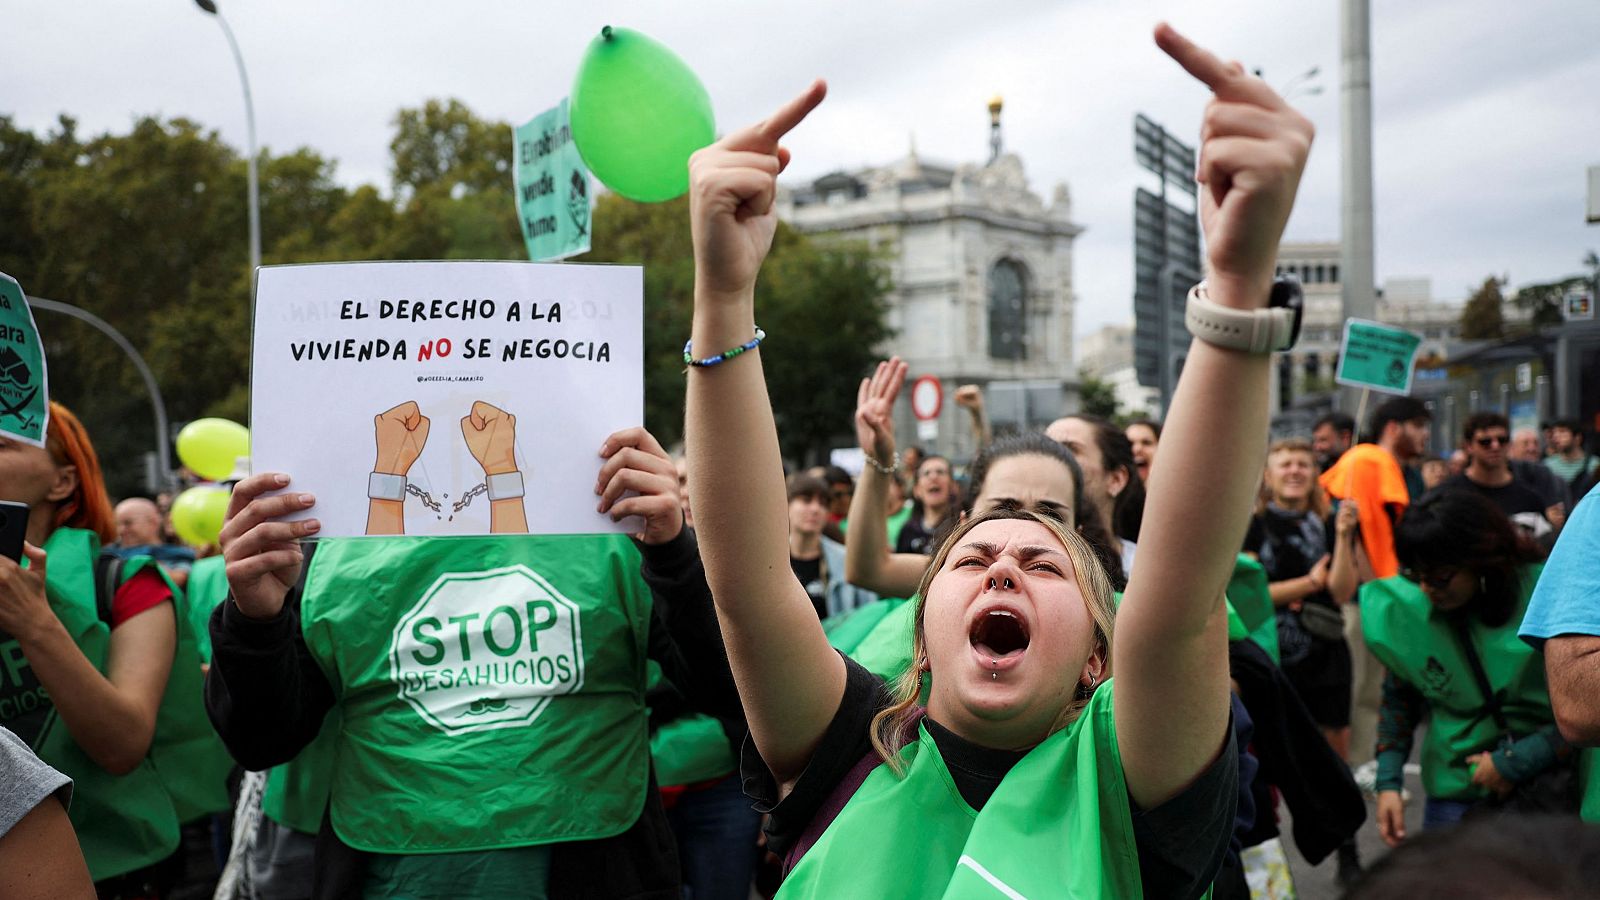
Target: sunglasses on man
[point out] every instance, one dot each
(1493, 440)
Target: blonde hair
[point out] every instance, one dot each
(892, 726)
(1316, 499)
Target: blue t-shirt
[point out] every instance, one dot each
(1567, 598)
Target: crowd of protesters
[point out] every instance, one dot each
(1090, 661)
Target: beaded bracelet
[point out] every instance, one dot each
(889, 470)
(724, 356)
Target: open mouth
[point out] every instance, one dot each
(999, 633)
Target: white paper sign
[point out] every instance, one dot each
(446, 398)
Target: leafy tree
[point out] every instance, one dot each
(1545, 299)
(822, 302)
(1483, 317)
(1098, 397)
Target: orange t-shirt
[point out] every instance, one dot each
(1371, 476)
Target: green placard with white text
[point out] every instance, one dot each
(552, 187)
(24, 391)
(1377, 356)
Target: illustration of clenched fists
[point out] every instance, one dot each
(401, 434)
(491, 435)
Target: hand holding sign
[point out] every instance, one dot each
(401, 434)
(1252, 151)
(732, 186)
(263, 560)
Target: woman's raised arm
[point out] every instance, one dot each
(868, 561)
(1171, 638)
(790, 680)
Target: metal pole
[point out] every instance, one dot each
(1356, 255)
(164, 460)
(250, 122)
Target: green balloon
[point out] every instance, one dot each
(209, 447)
(197, 514)
(638, 112)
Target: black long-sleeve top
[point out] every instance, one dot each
(267, 698)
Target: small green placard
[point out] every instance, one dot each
(552, 187)
(1377, 356)
(24, 390)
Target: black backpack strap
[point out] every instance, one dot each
(107, 578)
(1491, 699)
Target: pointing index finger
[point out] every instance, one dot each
(1226, 80)
(780, 123)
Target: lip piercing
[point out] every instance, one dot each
(995, 675)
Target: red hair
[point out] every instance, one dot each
(88, 507)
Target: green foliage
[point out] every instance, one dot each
(1098, 397)
(821, 302)
(1483, 318)
(1545, 299)
(148, 230)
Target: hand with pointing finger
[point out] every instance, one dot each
(732, 187)
(1253, 147)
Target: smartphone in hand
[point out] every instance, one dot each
(13, 528)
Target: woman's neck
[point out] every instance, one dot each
(805, 546)
(41, 523)
(933, 515)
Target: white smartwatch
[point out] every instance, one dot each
(1269, 330)
(384, 486)
(504, 486)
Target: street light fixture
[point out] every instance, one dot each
(210, 6)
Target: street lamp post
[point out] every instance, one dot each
(250, 121)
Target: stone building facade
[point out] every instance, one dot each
(982, 281)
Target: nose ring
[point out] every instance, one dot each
(1008, 583)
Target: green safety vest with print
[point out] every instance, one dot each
(123, 822)
(1421, 647)
(1250, 605)
(1059, 825)
(187, 751)
(492, 690)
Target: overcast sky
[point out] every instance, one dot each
(1486, 112)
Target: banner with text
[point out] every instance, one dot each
(446, 398)
(1377, 356)
(24, 385)
(552, 187)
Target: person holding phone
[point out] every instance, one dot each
(1022, 750)
(85, 676)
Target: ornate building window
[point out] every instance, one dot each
(1008, 311)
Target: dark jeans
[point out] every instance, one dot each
(716, 830)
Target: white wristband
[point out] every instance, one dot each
(504, 486)
(385, 486)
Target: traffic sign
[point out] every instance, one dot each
(927, 398)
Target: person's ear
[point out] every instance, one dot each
(64, 485)
(1116, 481)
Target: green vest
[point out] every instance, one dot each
(885, 649)
(187, 752)
(492, 690)
(1058, 825)
(1250, 602)
(124, 822)
(207, 588)
(1422, 649)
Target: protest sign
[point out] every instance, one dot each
(446, 398)
(552, 187)
(1377, 356)
(24, 385)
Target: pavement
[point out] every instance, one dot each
(1321, 882)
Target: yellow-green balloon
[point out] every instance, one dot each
(198, 512)
(209, 447)
(638, 112)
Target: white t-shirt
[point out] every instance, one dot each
(25, 781)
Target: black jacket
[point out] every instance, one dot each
(267, 697)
